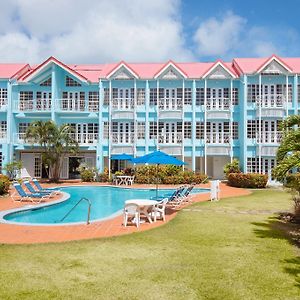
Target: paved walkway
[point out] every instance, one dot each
(25, 234)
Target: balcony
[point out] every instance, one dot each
(269, 137)
(76, 105)
(85, 138)
(218, 108)
(122, 138)
(271, 105)
(122, 108)
(170, 138)
(218, 138)
(35, 105)
(170, 108)
(19, 138)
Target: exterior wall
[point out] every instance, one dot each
(201, 154)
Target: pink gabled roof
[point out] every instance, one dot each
(293, 62)
(8, 71)
(249, 65)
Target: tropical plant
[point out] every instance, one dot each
(87, 173)
(4, 184)
(55, 142)
(232, 167)
(288, 160)
(13, 169)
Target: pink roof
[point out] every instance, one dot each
(11, 70)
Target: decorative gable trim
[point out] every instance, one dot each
(274, 65)
(170, 71)
(122, 71)
(218, 71)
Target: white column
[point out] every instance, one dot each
(287, 95)
(231, 122)
(147, 96)
(194, 126)
(109, 128)
(157, 115)
(135, 119)
(182, 120)
(259, 125)
(205, 126)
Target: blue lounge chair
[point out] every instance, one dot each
(33, 191)
(23, 196)
(185, 197)
(41, 189)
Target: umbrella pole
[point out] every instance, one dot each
(157, 181)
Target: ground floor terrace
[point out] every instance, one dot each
(236, 248)
(211, 165)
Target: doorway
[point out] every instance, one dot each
(74, 163)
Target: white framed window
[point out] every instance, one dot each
(71, 82)
(93, 103)
(252, 127)
(235, 96)
(235, 130)
(199, 130)
(37, 166)
(200, 96)
(187, 130)
(141, 130)
(106, 96)
(141, 96)
(152, 130)
(188, 96)
(105, 130)
(47, 82)
(3, 97)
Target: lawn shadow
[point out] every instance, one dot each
(274, 228)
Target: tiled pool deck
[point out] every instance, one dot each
(26, 234)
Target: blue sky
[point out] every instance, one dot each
(97, 31)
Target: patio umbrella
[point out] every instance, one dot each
(158, 158)
(122, 157)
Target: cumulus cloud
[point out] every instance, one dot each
(94, 31)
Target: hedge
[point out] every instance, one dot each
(4, 184)
(247, 180)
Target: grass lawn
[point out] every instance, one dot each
(234, 249)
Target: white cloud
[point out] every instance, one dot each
(217, 37)
(94, 31)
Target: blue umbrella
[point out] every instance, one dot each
(122, 157)
(158, 158)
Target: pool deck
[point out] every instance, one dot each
(27, 234)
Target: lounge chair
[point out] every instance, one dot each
(21, 195)
(131, 212)
(33, 191)
(41, 189)
(159, 210)
(185, 197)
(170, 196)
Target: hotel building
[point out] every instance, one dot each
(204, 113)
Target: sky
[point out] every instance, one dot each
(99, 31)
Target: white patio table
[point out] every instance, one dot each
(144, 205)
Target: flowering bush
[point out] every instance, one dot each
(247, 180)
(103, 177)
(87, 174)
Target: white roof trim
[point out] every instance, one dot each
(122, 65)
(170, 64)
(219, 63)
(269, 61)
(36, 73)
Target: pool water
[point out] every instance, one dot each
(106, 202)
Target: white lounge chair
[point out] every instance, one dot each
(131, 212)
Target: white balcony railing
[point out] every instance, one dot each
(85, 138)
(218, 138)
(269, 137)
(168, 104)
(70, 104)
(20, 138)
(123, 104)
(122, 138)
(170, 138)
(218, 104)
(33, 105)
(271, 101)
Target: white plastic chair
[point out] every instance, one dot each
(159, 210)
(131, 212)
(131, 180)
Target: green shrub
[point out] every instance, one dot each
(247, 180)
(232, 167)
(4, 184)
(293, 181)
(87, 175)
(103, 177)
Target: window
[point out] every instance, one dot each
(141, 130)
(252, 92)
(199, 130)
(115, 93)
(235, 130)
(71, 82)
(106, 96)
(253, 165)
(235, 96)
(152, 130)
(290, 92)
(188, 96)
(37, 166)
(199, 96)
(3, 97)
(1, 161)
(187, 130)
(141, 96)
(105, 130)
(26, 100)
(153, 97)
(3, 129)
(252, 126)
(22, 130)
(47, 82)
(94, 101)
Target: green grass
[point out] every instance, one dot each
(212, 251)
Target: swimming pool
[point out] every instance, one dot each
(106, 202)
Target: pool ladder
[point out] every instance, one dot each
(89, 210)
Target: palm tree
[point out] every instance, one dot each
(288, 154)
(55, 142)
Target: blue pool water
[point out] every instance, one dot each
(106, 201)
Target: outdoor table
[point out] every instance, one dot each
(144, 205)
(123, 179)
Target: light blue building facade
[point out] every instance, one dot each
(203, 113)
